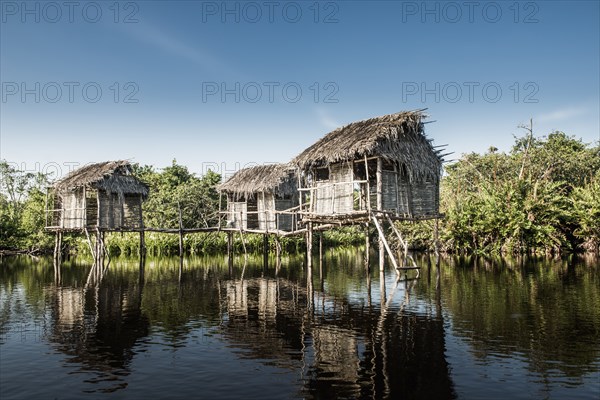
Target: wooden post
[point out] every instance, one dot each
(382, 289)
(367, 248)
(142, 251)
(142, 232)
(60, 238)
(368, 185)
(436, 238)
(98, 213)
(321, 255)
(278, 254)
(266, 251)
(309, 238)
(84, 212)
(230, 244)
(56, 246)
(180, 231)
(380, 208)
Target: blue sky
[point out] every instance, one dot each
(223, 85)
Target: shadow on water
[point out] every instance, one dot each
(339, 331)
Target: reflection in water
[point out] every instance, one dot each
(97, 328)
(343, 349)
(463, 329)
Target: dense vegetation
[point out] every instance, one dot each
(541, 197)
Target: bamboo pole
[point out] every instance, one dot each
(367, 248)
(89, 241)
(56, 247)
(142, 232)
(368, 185)
(385, 245)
(321, 255)
(60, 239)
(180, 231)
(243, 243)
(230, 244)
(309, 237)
(380, 207)
(397, 232)
(436, 245)
(265, 251)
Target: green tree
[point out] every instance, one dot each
(175, 187)
(22, 210)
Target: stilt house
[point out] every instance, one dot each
(384, 164)
(260, 198)
(103, 196)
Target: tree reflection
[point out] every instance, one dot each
(97, 328)
(345, 333)
(547, 310)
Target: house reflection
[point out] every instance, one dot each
(97, 329)
(343, 349)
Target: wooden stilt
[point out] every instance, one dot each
(59, 248)
(265, 251)
(243, 244)
(321, 253)
(382, 289)
(385, 244)
(379, 176)
(309, 238)
(106, 252)
(180, 269)
(90, 245)
(230, 245)
(367, 249)
(277, 248)
(278, 254)
(436, 245)
(309, 286)
(381, 254)
(142, 251)
(180, 231)
(55, 254)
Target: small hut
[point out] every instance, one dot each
(258, 197)
(103, 197)
(384, 164)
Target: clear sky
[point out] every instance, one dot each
(223, 85)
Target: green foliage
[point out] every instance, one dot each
(174, 188)
(586, 209)
(542, 197)
(22, 209)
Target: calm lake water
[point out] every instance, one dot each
(466, 329)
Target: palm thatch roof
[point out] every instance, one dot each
(111, 176)
(397, 137)
(271, 178)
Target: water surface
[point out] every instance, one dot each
(466, 328)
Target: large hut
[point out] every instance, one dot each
(100, 197)
(383, 165)
(258, 198)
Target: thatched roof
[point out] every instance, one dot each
(397, 137)
(111, 176)
(274, 178)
